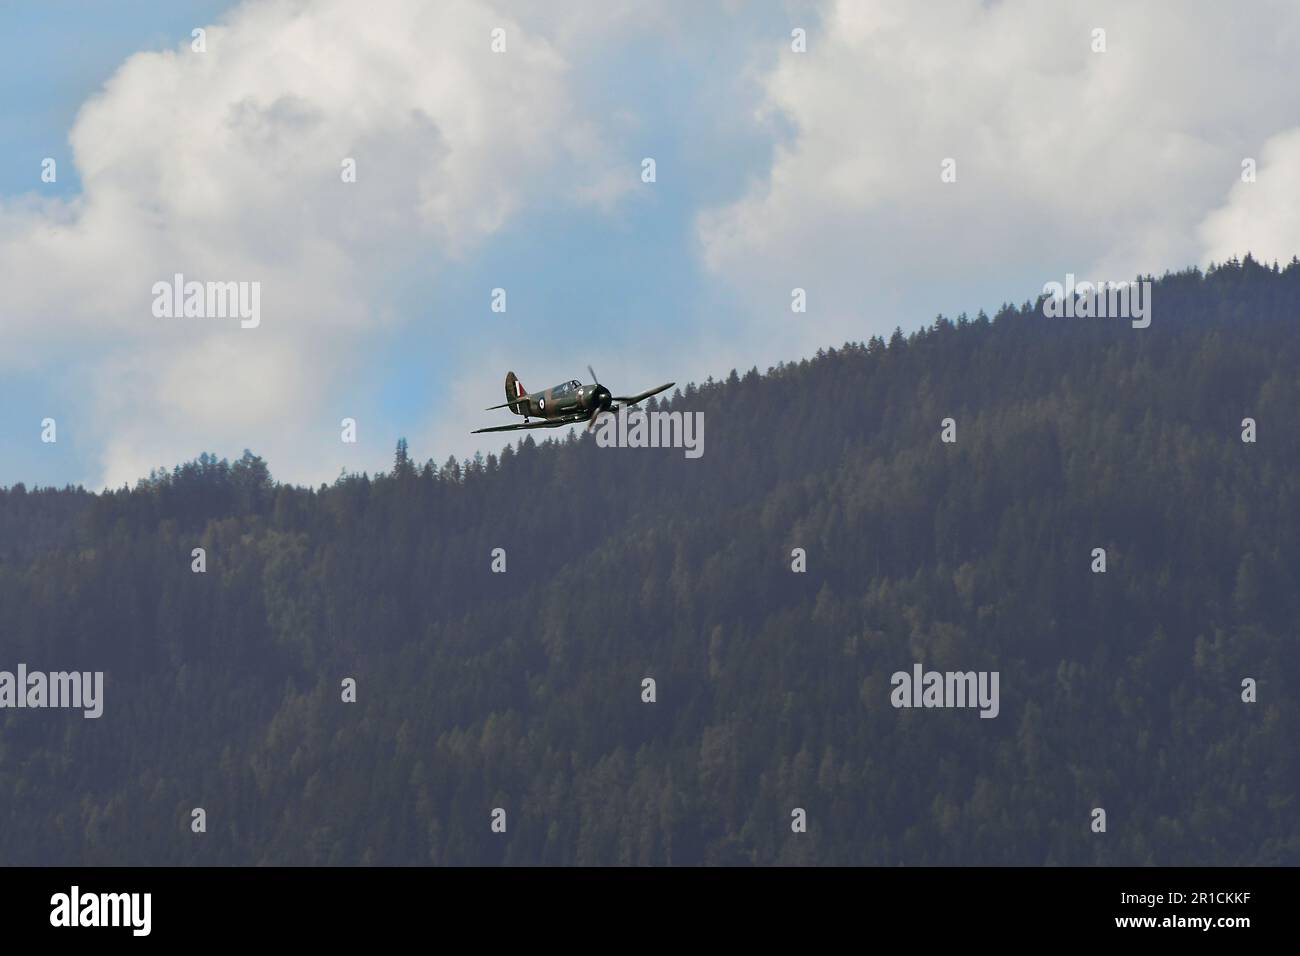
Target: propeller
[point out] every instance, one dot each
(601, 400)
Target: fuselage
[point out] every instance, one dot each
(559, 401)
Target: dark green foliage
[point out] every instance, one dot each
(522, 690)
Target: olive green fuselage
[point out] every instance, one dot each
(567, 400)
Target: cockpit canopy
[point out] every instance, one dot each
(570, 386)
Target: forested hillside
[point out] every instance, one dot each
(523, 690)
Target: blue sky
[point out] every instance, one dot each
(775, 170)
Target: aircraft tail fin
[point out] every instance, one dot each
(514, 391)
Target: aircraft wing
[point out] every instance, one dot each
(633, 399)
(537, 424)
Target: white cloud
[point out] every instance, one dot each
(225, 165)
(1099, 163)
(1262, 217)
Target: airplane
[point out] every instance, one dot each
(569, 403)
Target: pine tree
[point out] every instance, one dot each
(402, 466)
